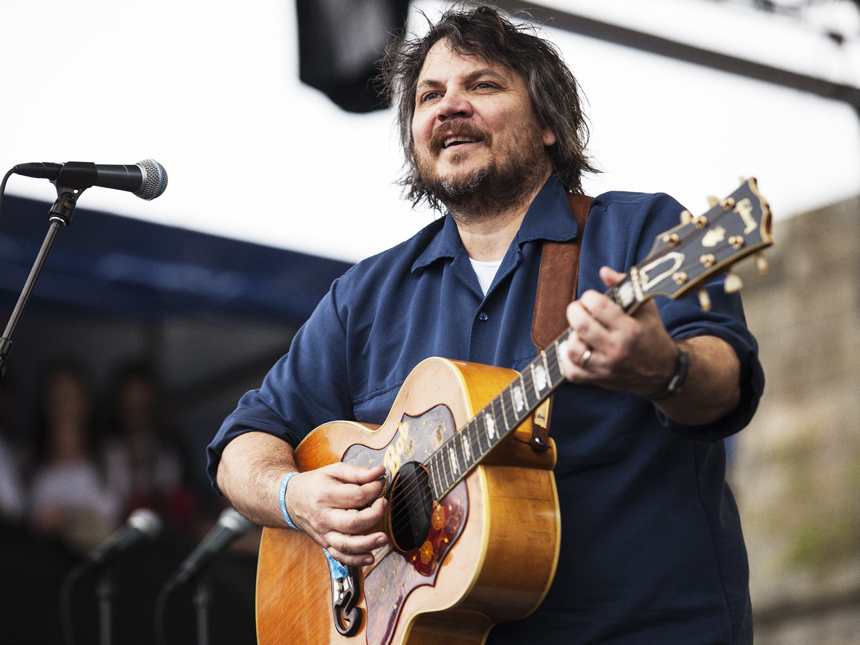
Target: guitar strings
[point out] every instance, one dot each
(437, 462)
(471, 429)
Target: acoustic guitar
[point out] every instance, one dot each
(472, 518)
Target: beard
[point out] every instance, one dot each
(507, 181)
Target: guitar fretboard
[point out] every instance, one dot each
(458, 455)
(455, 458)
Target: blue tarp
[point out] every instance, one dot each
(128, 267)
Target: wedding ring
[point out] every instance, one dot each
(583, 362)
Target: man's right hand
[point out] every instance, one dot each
(337, 505)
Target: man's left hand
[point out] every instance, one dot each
(609, 348)
(612, 349)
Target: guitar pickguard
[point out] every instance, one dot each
(398, 573)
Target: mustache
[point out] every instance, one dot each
(457, 128)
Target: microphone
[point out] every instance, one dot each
(230, 526)
(147, 179)
(142, 523)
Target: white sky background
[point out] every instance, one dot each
(211, 91)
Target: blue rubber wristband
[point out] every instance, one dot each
(283, 501)
(337, 570)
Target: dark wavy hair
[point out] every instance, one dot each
(485, 32)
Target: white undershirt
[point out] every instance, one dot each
(485, 271)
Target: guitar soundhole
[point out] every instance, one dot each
(411, 506)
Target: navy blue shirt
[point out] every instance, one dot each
(652, 550)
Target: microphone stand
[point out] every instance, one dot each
(104, 591)
(202, 596)
(60, 217)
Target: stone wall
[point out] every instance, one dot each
(796, 469)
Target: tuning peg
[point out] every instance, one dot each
(672, 239)
(704, 300)
(733, 283)
(713, 201)
(761, 263)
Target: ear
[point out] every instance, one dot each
(548, 136)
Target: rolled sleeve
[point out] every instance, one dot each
(622, 228)
(724, 321)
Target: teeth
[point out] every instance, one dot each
(458, 139)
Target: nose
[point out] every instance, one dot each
(454, 105)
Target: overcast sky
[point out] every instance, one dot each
(210, 89)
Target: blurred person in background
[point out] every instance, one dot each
(147, 466)
(12, 499)
(69, 496)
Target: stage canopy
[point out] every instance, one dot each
(127, 267)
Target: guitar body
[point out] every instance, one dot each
(490, 554)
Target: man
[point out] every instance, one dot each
(492, 130)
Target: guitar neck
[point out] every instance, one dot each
(506, 411)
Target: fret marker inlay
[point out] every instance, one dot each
(467, 449)
(519, 400)
(491, 424)
(541, 378)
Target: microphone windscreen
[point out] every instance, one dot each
(155, 179)
(146, 521)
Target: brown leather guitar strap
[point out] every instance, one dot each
(556, 289)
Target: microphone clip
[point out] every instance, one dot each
(64, 206)
(73, 179)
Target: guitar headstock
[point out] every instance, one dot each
(700, 248)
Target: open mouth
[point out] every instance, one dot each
(457, 140)
(456, 135)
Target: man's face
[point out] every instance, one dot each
(474, 128)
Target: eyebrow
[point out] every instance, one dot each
(470, 78)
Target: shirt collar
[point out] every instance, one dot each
(548, 218)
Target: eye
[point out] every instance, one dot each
(429, 96)
(485, 85)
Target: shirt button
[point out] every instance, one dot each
(483, 317)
